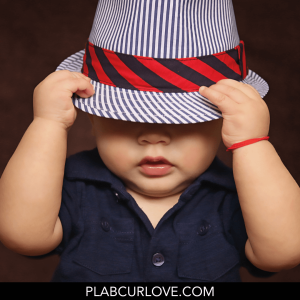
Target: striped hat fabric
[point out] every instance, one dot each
(148, 58)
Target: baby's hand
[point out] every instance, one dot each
(52, 97)
(245, 114)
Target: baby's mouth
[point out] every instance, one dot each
(155, 166)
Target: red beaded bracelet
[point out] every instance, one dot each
(245, 143)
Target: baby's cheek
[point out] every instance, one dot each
(190, 154)
(189, 161)
(196, 160)
(118, 158)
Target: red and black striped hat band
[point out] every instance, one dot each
(160, 74)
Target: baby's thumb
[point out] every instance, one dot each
(86, 90)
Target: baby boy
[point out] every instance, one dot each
(151, 203)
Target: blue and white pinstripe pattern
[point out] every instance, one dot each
(165, 29)
(160, 29)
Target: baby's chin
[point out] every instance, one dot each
(158, 189)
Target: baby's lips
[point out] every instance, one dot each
(152, 160)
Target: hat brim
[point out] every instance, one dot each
(150, 107)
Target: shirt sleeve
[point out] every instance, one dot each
(69, 213)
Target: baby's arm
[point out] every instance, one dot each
(31, 184)
(268, 194)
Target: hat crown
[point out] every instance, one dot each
(165, 28)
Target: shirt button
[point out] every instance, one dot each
(118, 197)
(158, 259)
(203, 228)
(105, 225)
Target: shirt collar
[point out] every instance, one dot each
(88, 166)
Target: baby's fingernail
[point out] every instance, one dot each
(202, 88)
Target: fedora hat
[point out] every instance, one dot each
(147, 59)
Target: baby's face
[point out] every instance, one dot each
(156, 160)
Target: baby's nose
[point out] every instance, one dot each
(154, 138)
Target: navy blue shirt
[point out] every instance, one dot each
(107, 237)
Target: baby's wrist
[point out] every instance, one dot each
(246, 143)
(251, 148)
(48, 122)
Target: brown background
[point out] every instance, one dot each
(37, 35)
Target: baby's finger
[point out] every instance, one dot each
(243, 87)
(232, 91)
(221, 100)
(81, 87)
(80, 75)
